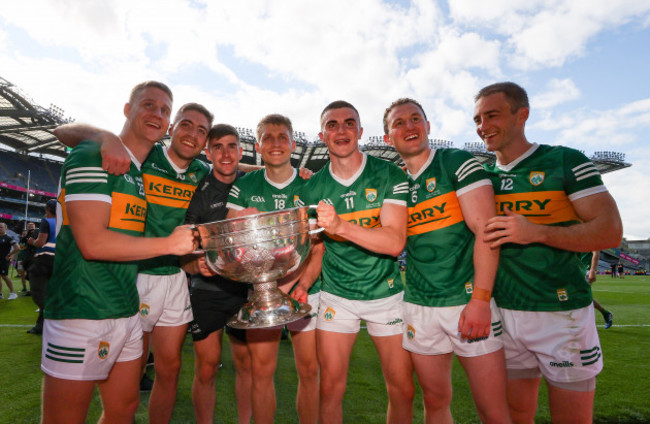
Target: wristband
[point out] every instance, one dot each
(481, 294)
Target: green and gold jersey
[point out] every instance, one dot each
(82, 289)
(540, 185)
(169, 190)
(350, 271)
(440, 246)
(255, 190)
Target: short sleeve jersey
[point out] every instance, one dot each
(349, 270)
(82, 289)
(169, 190)
(440, 266)
(256, 190)
(540, 185)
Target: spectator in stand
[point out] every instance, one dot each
(41, 269)
(8, 247)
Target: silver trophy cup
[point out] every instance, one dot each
(260, 249)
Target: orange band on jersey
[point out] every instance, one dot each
(543, 207)
(128, 212)
(366, 219)
(481, 294)
(161, 191)
(61, 200)
(434, 214)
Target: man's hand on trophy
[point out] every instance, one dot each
(299, 294)
(247, 211)
(328, 218)
(183, 240)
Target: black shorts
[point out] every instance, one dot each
(212, 309)
(4, 266)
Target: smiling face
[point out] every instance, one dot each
(408, 130)
(224, 153)
(148, 114)
(275, 145)
(341, 131)
(501, 129)
(188, 136)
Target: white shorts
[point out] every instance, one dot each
(563, 345)
(383, 316)
(86, 350)
(434, 331)
(308, 322)
(164, 300)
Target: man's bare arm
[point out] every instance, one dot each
(89, 223)
(389, 239)
(115, 158)
(601, 227)
(478, 207)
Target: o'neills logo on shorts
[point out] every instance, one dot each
(144, 310)
(103, 350)
(563, 364)
(410, 332)
(329, 314)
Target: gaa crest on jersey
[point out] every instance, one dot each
(536, 177)
(562, 295)
(103, 350)
(192, 177)
(144, 310)
(329, 314)
(296, 200)
(410, 332)
(431, 184)
(371, 194)
(469, 288)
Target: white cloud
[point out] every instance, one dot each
(557, 92)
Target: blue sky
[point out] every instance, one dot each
(585, 65)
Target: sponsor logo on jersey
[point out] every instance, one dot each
(144, 310)
(129, 179)
(410, 332)
(563, 364)
(541, 207)
(431, 184)
(349, 194)
(329, 314)
(536, 178)
(103, 350)
(469, 289)
(367, 219)
(433, 214)
(257, 199)
(371, 194)
(562, 295)
(128, 212)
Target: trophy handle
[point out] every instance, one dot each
(317, 230)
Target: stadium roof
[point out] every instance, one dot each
(27, 128)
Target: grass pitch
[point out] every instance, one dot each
(621, 394)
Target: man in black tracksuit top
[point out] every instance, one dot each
(215, 299)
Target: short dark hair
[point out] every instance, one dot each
(273, 119)
(197, 107)
(399, 102)
(221, 130)
(50, 205)
(515, 95)
(338, 104)
(146, 84)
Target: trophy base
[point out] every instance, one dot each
(268, 307)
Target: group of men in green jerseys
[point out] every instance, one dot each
(493, 264)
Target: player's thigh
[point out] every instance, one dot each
(121, 389)
(334, 351)
(66, 401)
(434, 374)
